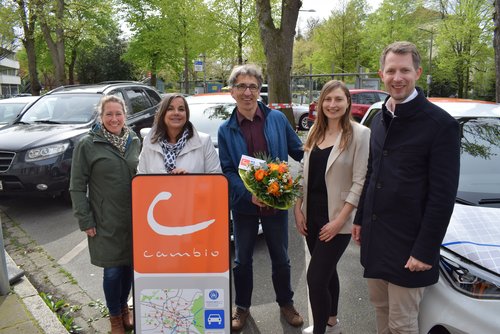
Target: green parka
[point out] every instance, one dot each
(99, 167)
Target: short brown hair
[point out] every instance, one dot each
(401, 48)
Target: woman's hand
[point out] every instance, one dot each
(300, 222)
(91, 232)
(356, 234)
(330, 230)
(178, 171)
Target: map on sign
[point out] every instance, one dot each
(172, 311)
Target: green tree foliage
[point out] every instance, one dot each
(169, 35)
(496, 46)
(89, 25)
(393, 21)
(236, 23)
(464, 42)
(7, 35)
(104, 62)
(338, 40)
(20, 16)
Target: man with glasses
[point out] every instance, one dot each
(254, 129)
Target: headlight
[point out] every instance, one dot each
(468, 278)
(46, 152)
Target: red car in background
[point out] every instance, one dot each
(362, 99)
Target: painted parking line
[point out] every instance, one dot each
(73, 253)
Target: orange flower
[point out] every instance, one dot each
(282, 168)
(274, 189)
(290, 183)
(259, 174)
(273, 167)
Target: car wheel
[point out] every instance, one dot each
(438, 330)
(303, 124)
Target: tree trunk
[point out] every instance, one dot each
(29, 45)
(28, 19)
(56, 47)
(496, 45)
(186, 70)
(278, 48)
(240, 33)
(71, 67)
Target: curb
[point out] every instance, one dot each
(44, 274)
(46, 319)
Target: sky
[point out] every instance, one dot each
(323, 8)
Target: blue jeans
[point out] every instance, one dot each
(245, 231)
(117, 282)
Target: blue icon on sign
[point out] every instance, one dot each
(213, 295)
(214, 319)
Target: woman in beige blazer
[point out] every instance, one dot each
(334, 168)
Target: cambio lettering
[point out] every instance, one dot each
(194, 253)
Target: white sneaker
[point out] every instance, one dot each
(308, 330)
(335, 329)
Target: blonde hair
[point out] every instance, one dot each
(318, 130)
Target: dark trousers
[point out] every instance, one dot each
(245, 231)
(117, 282)
(322, 276)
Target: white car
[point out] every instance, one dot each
(466, 298)
(12, 107)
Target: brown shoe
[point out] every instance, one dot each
(117, 324)
(239, 319)
(128, 318)
(291, 315)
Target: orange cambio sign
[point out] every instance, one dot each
(180, 224)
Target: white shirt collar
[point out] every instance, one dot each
(408, 99)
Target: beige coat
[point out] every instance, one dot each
(197, 156)
(344, 175)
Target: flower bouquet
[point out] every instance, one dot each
(270, 181)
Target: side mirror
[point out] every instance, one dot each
(144, 132)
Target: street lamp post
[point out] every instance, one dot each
(429, 77)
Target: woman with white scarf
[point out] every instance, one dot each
(173, 146)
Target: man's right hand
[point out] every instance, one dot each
(257, 202)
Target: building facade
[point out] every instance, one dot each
(9, 75)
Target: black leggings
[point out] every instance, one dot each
(322, 276)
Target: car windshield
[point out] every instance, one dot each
(480, 160)
(207, 117)
(63, 109)
(9, 111)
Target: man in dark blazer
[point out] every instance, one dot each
(408, 195)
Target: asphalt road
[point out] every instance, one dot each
(51, 224)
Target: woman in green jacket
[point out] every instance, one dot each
(104, 162)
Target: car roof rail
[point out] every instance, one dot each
(118, 82)
(57, 89)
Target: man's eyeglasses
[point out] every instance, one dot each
(242, 88)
